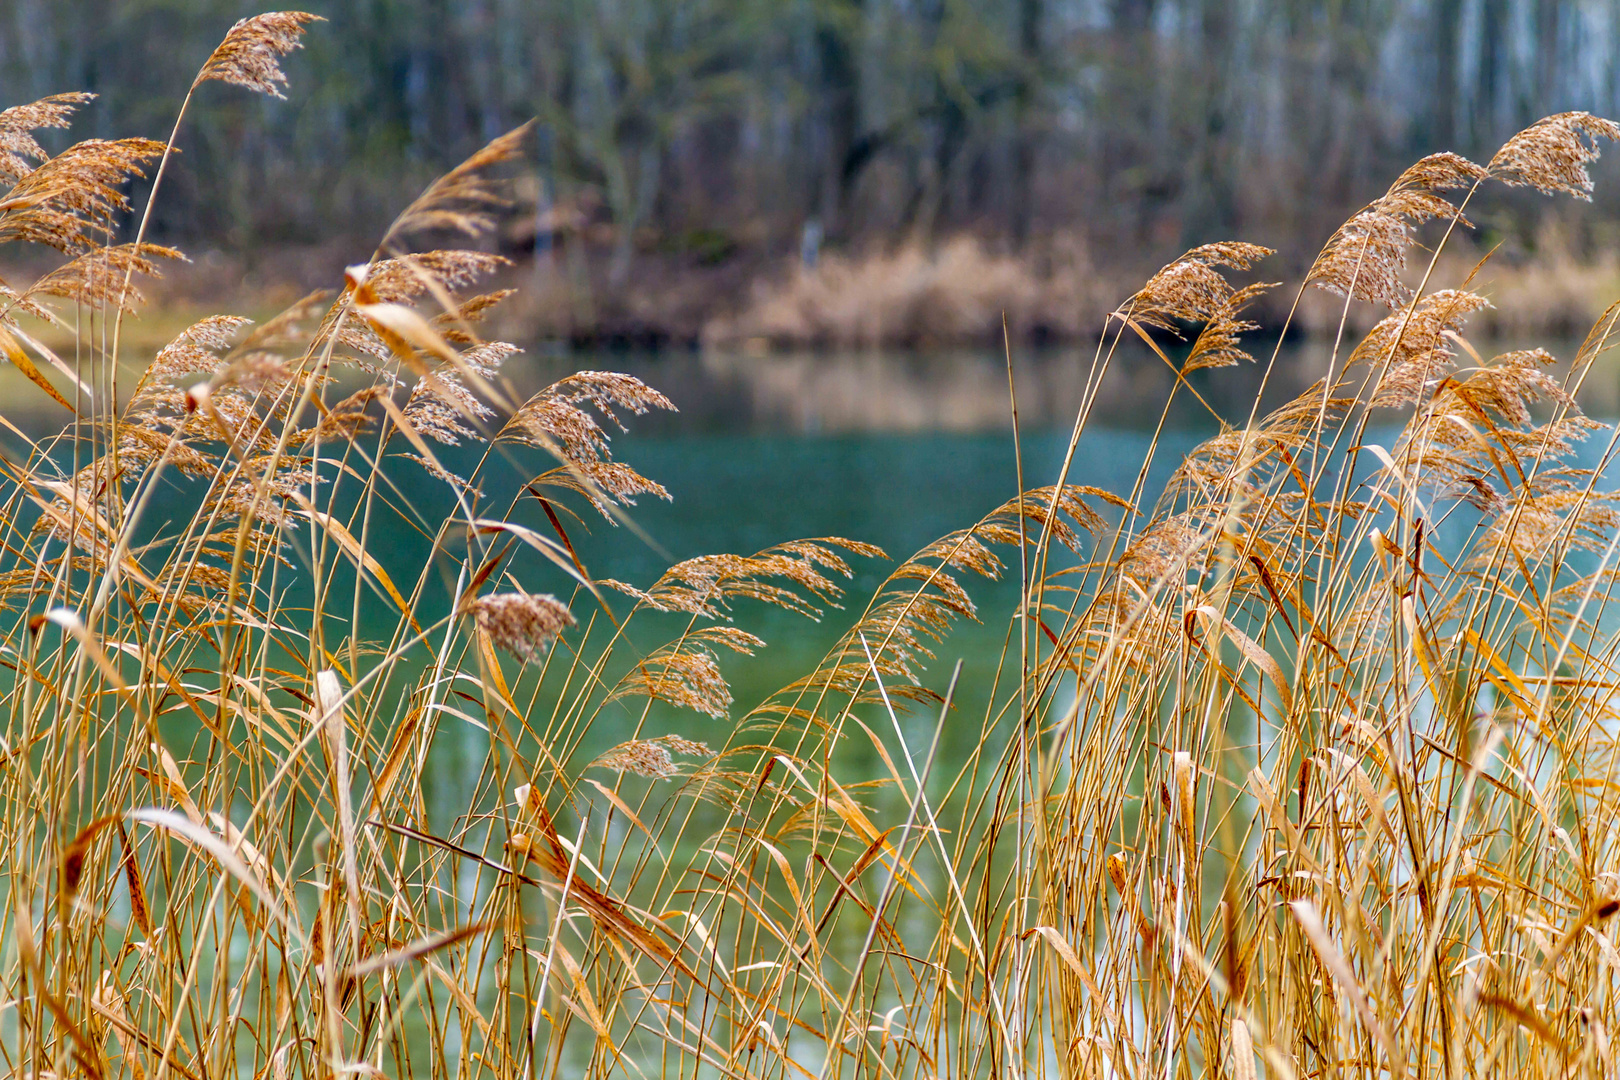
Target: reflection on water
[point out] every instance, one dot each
(920, 392)
(966, 391)
(955, 391)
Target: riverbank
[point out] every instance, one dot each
(957, 293)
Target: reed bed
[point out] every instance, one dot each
(1303, 765)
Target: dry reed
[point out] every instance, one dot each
(1305, 765)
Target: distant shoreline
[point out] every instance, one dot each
(955, 293)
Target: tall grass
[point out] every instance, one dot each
(1304, 765)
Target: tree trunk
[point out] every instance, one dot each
(1447, 26)
(838, 42)
(1030, 17)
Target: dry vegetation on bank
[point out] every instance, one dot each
(951, 295)
(1303, 765)
(957, 292)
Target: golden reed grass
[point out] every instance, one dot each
(1302, 766)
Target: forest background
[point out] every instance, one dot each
(847, 171)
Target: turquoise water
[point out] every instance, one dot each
(773, 449)
(890, 450)
(743, 492)
(895, 451)
(770, 450)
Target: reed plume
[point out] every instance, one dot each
(524, 625)
(19, 150)
(251, 54)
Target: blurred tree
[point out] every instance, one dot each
(840, 34)
(719, 126)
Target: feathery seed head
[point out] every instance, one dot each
(1416, 350)
(464, 199)
(73, 196)
(686, 746)
(686, 674)
(1553, 154)
(1365, 256)
(554, 420)
(469, 312)
(101, 275)
(18, 147)
(1166, 549)
(251, 53)
(195, 350)
(347, 418)
(1217, 345)
(1191, 289)
(643, 757)
(1444, 171)
(706, 585)
(408, 277)
(650, 757)
(253, 372)
(442, 407)
(524, 624)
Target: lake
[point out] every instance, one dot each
(891, 449)
(895, 450)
